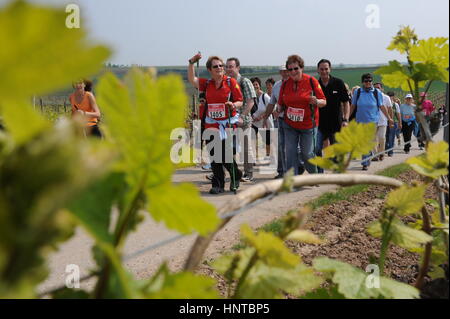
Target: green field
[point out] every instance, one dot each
(54, 103)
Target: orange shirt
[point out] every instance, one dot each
(296, 101)
(85, 105)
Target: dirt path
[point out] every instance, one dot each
(77, 250)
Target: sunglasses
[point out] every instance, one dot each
(217, 66)
(293, 69)
(366, 81)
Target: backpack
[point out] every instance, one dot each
(375, 94)
(311, 106)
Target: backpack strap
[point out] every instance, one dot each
(358, 93)
(375, 93)
(313, 120)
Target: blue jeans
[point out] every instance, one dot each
(304, 138)
(281, 169)
(390, 138)
(366, 163)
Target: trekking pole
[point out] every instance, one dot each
(233, 173)
(313, 111)
(197, 105)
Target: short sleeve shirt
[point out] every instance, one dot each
(387, 103)
(276, 94)
(368, 110)
(298, 96)
(331, 114)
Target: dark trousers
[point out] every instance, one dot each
(217, 168)
(407, 130)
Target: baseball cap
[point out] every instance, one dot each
(409, 95)
(282, 68)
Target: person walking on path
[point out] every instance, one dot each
(233, 68)
(84, 106)
(335, 114)
(300, 97)
(392, 131)
(275, 109)
(258, 117)
(368, 101)
(383, 124)
(408, 121)
(223, 97)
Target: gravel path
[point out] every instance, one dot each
(78, 250)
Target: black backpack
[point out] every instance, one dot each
(375, 94)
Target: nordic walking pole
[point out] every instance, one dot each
(233, 173)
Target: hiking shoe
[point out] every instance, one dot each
(209, 177)
(247, 178)
(236, 185)
(390, 154)
(406, 151)
(375, 159)
(365, 168)
(381, 157)
(216, 190)
(278, 176)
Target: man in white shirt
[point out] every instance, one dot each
(382, 123)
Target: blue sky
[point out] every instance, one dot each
(259, 32)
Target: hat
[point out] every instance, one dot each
(282, 68)
(408, 96)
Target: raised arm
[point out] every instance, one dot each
(191, 72)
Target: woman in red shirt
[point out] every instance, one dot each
(301, 97)
(223, 96)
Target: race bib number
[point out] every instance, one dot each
(295, 115)
(216, 111)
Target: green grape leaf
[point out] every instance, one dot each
(304, 236)
(42, 54)
(265, 282)
(170, 203)
(323, 162)
(404, 40)
(434, 162)
(21, 121)
(93, 207)
(270, 248)
(401, 235)
(406, 200)
(182, 285)
(357, 138)
(233, 265)
(431, 51)
(353, 283)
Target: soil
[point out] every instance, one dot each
(343, 226)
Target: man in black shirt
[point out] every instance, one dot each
(336, 113)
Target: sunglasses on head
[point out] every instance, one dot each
(217, 66)
(292, 69)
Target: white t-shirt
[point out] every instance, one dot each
(382, 121)
(263, 101)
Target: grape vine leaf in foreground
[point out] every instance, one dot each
(182, 285)
(39, 53)
(401, 235)
(353, 282)
(434, 163)
(352, 142)
(140, 114)
(406, 200)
